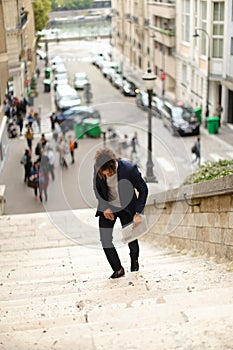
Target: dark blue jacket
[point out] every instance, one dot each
(129, 179)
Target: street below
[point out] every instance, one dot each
(72, 188)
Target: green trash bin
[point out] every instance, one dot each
(198, 112)
(92, 127)
(47, 73)
(213, 124)
(78, 130)
(47, 85)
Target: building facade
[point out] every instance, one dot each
(3, 56)
(200, 44)
(227, 82)
(18, 41)
(187, 43)
(143, 31)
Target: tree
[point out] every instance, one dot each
(41, 11)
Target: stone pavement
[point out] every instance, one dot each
(55, 293)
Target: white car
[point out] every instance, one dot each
(80, 80)
(41, 54)
(66, 97)
(60, 69)
(60, 79)
(68, 101)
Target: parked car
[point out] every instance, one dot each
(60, 69)
(80, 80)
(64, 89)
(56, 61)
(66, 97)
(117, 81)
(106, 67)
(60, 79)
(41, 54)
(68, 101)
(180, 119)
(77, 114)
(156, 104)
(128, 88)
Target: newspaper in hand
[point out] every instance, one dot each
(130, 233)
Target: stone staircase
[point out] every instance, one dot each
(55, 293)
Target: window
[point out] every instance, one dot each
(218, 29)
(204, 27)
(186, 20)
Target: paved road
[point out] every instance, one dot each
(72, 188)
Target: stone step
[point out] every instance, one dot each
(55, 294)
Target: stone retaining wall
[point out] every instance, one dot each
(201, 221)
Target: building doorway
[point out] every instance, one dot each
(230, 107)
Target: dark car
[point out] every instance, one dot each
(180, 119)
(128, 88)
(76, 114)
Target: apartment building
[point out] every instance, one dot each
(18, 41)
(200, 28)
(143, 31)
(187, 43)
(227, 82)
(3, 57)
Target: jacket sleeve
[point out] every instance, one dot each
(141, 187)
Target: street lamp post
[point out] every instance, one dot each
(196, 35)
(149, 79)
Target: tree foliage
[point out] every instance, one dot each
(41, 11)
(71, 4)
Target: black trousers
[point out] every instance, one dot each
(106, 229)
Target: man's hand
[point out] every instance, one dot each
(137, 220)
(108, 214)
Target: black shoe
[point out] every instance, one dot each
(134, 265)
(118, 273)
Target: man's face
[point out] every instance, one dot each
(108, 172)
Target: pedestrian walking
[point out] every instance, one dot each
(48, 151)
(44, 177)
(125, 146)
(196, 149)
(72, 146)
(34, 177)
(26, 161)
(30, 118)
(29, 136)
(219, 110)
(63, 150)
(37, 119)
(117, 199)
(134, 144)
(38, 72)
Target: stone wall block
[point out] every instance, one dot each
(225, 203)
(210, 204)
(215, 235)
(202, 234)
(230, 219)
(229, 253)
(221, 220)
(227, 237)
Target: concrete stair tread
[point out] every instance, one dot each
(56, 294)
